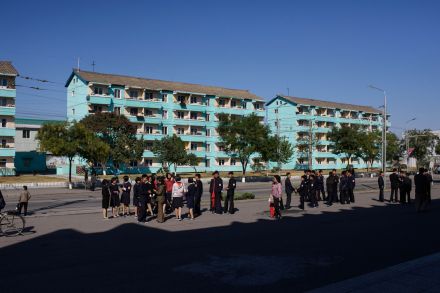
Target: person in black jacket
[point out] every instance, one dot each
(190, 197)
(421, 183)
(144, 195)
(230, 191)
(320, 186)
(198, 196)
(312, 191)
(343, 187)
(330, 183)
(302, 190)
(215, 190)
(394, 180)
(429, 177)
(136, 193)
(351, 185)
(405, 188)
(105, 198)
(381, 184)
(289, 190)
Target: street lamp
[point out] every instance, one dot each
(384, 128)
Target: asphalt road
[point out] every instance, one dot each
(245, 252)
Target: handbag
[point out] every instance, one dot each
(270, 198)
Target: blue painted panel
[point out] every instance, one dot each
(8, 93)
(7, 131)
(8, 152)
(7, 111)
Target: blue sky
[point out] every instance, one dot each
(318, 49)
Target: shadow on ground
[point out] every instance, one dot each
(294, 254)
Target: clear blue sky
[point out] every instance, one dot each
(319, 49)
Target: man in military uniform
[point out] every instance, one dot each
(320, 186)
(289, 190)
(215, 190)
(230, 191)
(394, 180)
(381, 184)
(330, 182)
(351, 185)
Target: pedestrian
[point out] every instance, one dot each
(215, 189)
(105, 192)
(160, 199)
(343, 187)
(329, 182)
(93, 181)
(143, 196)
(150, 195)
(313, 188)
(408, 187)
(351, 185)
(320, 186)
(2, 201)
(302, 190)
(429, 176)
(230, 192)
(178, 193)
(86, 178)
(394, 180)
(114, 197)
(169, 181)
(190, 197)
(288, 186)
(23, 200)
(335, 186)
(276, 193)
(125, 196)
(381, 184)
(136, 194)
(421, 183)
(198, 197)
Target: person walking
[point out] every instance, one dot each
(394, 180)
(198, 197)
(276, 193)
(421, 183)
(114, 197)
(288, 186)
(136, 194)
(160, 199)
(178, 193)
(125, 197)
(190, 197)
(23, 200)
(381, 184)
(230, 192)
(105, 192)
(215, 189)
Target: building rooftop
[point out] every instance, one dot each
(328, 104)
(155, 84)
(6, 67)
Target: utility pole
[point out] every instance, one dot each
(384, 129)
(78, 65)
(93, 65)
(278, 136)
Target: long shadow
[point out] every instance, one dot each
(58, 205)
(290, 255)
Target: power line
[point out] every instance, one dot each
(39, 80)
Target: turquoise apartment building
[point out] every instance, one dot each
(306, 122)
(161, 108)
(8, 93)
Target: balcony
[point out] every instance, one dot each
(7, 152)
(149, 136)
(7, 111)
(99, 99)
(136, 103)
(4, 131)
(8, 93)
(154, 119)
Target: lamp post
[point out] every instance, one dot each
(384, 128)
(407, 140)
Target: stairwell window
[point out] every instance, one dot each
(117, 93)
(26, 133)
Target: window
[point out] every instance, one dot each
(221, 148)
(221, 103)
(243, 104)
(97, 109)
(221, 162)
(148, 113)
(208, 147)
(180, 115)
(134, 94)
(276, 124)
(164, 114)
(148, 96)
(194, 146)
(117, 93)
(233, 162)
(3, 82)
(193, 131)
(193, 100)
(117, 110)
(3, 102)
(181, 99)
(257, 106)
(133, 111)
(207, 163)
(207, 117)
(3, 143)
(148, 162)
(164, 97)
(276, 111)
(148, 129)
(180, 130)
(133, 163)
(2, 163)
(165, 130)
(98, 90)
(148, 146)
(193, 115)
(26, 133)
(208, 132)
(233, 103)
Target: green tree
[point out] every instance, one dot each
(118, 133)
(170, 150)
(423, 142)
(437, 148)
(242, 137)
(346, 141)
(394, 151)
(70, 140)
(276, 149)
(370, 147)
(192, 160)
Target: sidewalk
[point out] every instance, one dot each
(419, 275)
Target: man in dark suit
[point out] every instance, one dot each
(421, 183)
(198, 197)
(351, 185)
(289, 190)
(215, 190)
(394, 180)
(320, 188)
(230, 191)
(381, 184)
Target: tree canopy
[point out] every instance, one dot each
(170, 150)
(346, 141)
(369, 148)
(424, 143)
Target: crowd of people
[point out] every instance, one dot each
(152, 197)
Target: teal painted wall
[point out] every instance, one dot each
(28, 162)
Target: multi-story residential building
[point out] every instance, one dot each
(305, 123)
(28, 158)
(7, 117)
(161, 108)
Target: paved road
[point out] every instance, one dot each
(244, 252)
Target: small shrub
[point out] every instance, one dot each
(245, 195)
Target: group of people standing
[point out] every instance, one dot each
(311, 189)
(154, 196)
